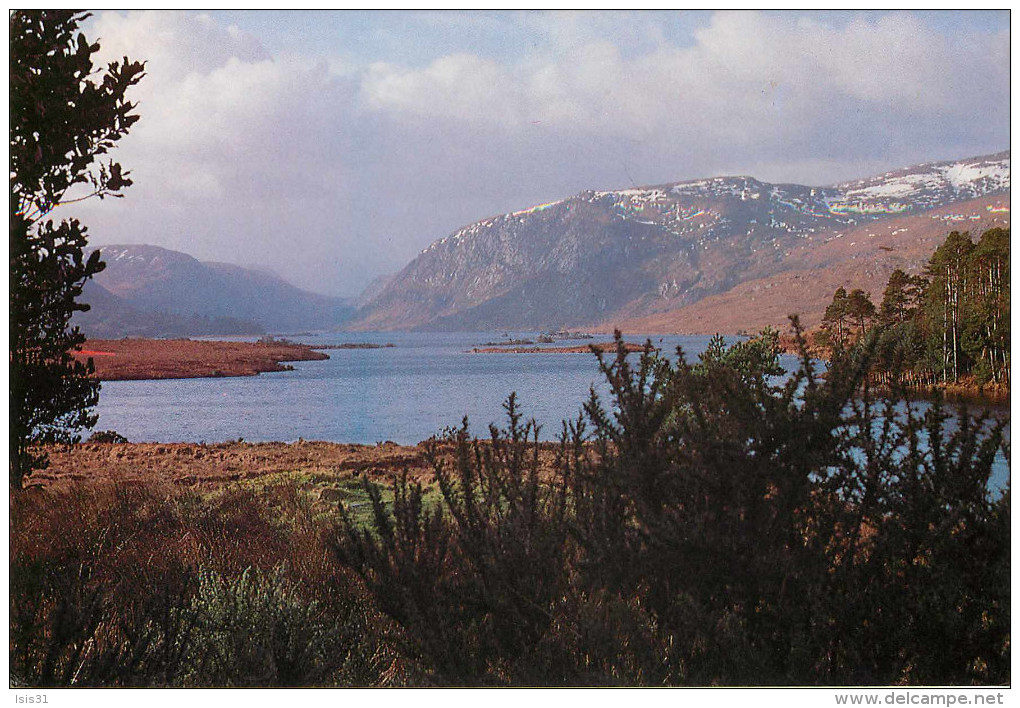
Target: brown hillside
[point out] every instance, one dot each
(861, 257)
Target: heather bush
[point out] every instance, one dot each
(150, 586)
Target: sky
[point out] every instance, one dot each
(332, 147)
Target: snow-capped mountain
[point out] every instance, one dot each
(925, 186)
(606, 256)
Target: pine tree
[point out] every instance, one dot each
(948, 270)
(901, 298)
(65, 115)
(836, 317)
(987, 339)
(860, 310)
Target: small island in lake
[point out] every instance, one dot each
(604, 347)
(356, 345)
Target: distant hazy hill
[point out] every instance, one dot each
(153, 291)
(375, 287)
(709, 255)
(111, 317)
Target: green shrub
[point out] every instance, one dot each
(105, 591)
(257, 629)
(472, 583)
(717, 525)
(107, 436)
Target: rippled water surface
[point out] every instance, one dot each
(404, 393)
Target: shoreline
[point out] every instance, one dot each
(604, 347)
(155, 359)
(964, 391)
(963, 394)
(142, 359)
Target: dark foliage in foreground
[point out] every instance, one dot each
(148, 586)
(715, 527)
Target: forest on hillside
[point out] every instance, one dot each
(949, 325)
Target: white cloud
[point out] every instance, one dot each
(333, 172)
(458, 87)
(174, 44)
(746, 72)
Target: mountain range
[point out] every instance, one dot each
(724, 254)
(152, 291)
(721, 254)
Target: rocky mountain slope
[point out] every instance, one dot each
(646, 258)
(153, 291)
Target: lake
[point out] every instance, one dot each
(405, 393)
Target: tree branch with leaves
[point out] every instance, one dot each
(66, 115)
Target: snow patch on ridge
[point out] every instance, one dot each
(681, 209)
(539, 207)
(964, 176)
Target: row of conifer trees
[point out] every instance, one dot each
(949, 324)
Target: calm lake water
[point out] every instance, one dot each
(405, 393)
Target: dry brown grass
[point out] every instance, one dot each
(105, 576)
(310, 463)
(129, 359)
(190, 464)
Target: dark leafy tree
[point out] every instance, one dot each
(837, 318)
(65, 116)
(947, 327)
(900, 340)
(847, 317)
(901, 299)
(860, 310)
(986, 335)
